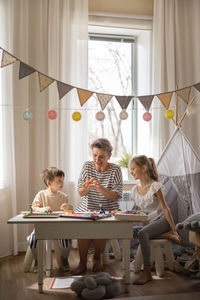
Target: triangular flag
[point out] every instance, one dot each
(25, 70)
(103, 99)
(124, 101)
(146, 101)
(184, 94)
(165, 99)
(63, 89)
(7, 59)
(44, 81)
(84, 95)
(197, 86)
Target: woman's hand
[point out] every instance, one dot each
(64, 206)
(87, 185)
(96, 184)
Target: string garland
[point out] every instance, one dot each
(84, 95)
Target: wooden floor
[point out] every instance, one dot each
(17, 285)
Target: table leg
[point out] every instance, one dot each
(40, 266)
(126, 260)
(49, 263)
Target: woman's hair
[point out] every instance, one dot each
(103, 144)
(50, 173)
(143, 160)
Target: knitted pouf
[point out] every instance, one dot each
(95, 287)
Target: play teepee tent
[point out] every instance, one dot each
(179, 170)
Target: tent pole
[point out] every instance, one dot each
(185, 113)
(176, 106)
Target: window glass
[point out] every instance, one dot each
(110, 71)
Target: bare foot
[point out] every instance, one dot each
(97, 266)
(79, 270)
(144, 278)
(172, 236)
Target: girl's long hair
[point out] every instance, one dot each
(143, 160)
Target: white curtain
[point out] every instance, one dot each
(176, 64)
(51, 36)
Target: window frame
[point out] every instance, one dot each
(132, 39)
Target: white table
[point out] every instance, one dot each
(64, 228)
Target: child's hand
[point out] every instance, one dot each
(46, 209)
(64, 206)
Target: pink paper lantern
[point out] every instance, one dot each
(147, 116)
(52, 114)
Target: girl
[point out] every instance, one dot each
(148, 197)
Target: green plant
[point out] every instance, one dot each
(125, 158)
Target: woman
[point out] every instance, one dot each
(100, 185)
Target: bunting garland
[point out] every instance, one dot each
(7, 59)
(165, 99)
(44, 81)
(84, 95)
(63, 89)
(146, 101)
(25, 70)
(184, 94)
(197, 86)
(103, 99)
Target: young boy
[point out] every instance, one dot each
(52, 199)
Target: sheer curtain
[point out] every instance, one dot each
(51, 36)
(176, 63)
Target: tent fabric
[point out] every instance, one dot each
(179, 157)
(179, 171)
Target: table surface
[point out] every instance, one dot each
(19, 219)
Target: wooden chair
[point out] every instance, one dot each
(29, 258)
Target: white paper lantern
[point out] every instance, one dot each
(100, 116)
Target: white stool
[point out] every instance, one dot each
(156, 254)
(28, 259)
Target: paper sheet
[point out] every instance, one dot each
(63, 282)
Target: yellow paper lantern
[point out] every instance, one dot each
(76, 116)
(169, 114)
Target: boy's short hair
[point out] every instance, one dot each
(50, 173)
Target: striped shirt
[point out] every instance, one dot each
(110, 179)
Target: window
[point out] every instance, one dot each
(114, 68)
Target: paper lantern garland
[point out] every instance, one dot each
(52, 114)
(27, 115)
(100, 116)
(123, 115)
(169, 114)
(147, 116)
(76, 116)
